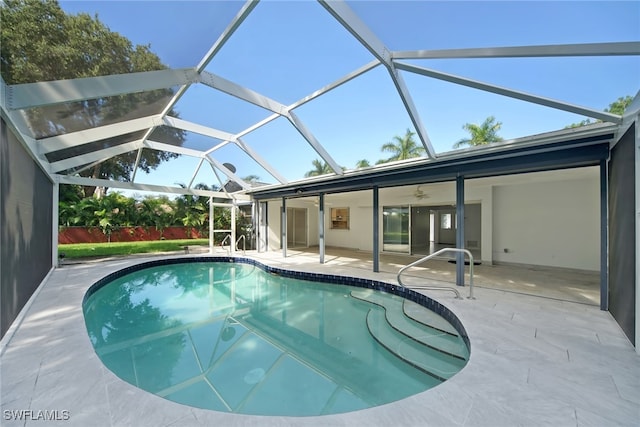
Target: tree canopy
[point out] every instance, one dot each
(402, 148)
(319, 168)
(40, 42)
(616, 107)
(482, 134)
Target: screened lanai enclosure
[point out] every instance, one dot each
(287, 107)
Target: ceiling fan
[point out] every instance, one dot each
(420, 194)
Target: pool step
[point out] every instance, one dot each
(433, 362)
(423, 326)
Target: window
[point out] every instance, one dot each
(395, 229)
(445, 221)
(340, 218)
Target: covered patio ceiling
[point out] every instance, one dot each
(257, 112)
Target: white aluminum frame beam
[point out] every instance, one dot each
(30, 95)
(367, 67)
(226, 34)
(136, 164)
(266, 166)
(196, 128)
(29, 144)
(582, 49)
(86, 136)
(342, 80)
(297, 123)
(227, 138)
(547, 102)
(217, 147)
(235, 23)
(89, 135)
(16, 121)
(352, 23)
(241, 92)
(67, 179)
(94, 156)
(262, 101)
(177, 149)
(232, 176)
(197, 154)
(195, 172)
(107, 153)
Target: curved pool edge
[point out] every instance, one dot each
(61, 370)
(359, 282)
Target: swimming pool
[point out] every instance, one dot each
(233, 335)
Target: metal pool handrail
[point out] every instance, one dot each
(244, 243)
(228, 237)
(443, 288)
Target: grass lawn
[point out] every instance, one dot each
(84, 250)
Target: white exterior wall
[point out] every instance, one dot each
(274, 207)
(273, 216)
(359, 235)
(554, 223)
(548, 219)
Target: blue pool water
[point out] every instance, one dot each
(233, 337)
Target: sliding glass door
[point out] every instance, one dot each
(297, 227)
(395, 229)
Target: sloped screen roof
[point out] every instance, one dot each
(271, 87)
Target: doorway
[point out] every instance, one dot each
(434, 228)
(297, 228)
(263, 227)
(421, 226)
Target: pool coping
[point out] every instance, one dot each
(326, 279)
(534, 362)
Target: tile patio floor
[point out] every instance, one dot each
(534, 360)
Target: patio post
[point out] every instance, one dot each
(376, 230)
(460, 229)
(283, 226)
(321, 226)
(211, 222)
(232, 243)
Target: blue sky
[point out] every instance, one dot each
(288, 49)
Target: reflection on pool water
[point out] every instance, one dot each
(232, 337)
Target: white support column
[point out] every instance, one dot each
(211, 225)
(254, 223)
(233, 230)
(283, 227)
(55, 214)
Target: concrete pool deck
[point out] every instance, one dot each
(534, 361)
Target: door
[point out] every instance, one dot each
(263, 227)
(395, 229)
(297, 227)
(420, 230)
(447, 224)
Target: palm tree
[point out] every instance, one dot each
(364, 163)
(320, 168)
(483, 134)
(402, 148)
